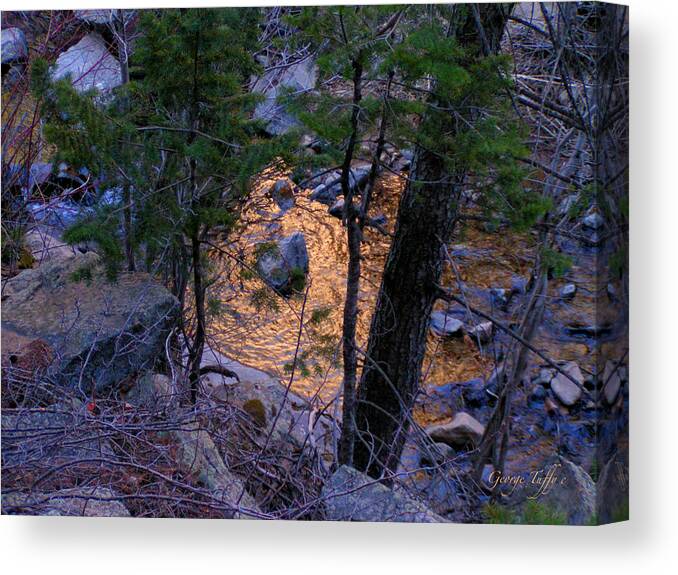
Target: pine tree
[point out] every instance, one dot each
(180, 137)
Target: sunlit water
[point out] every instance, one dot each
(267, 336)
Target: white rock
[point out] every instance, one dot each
(445, 325)
(89, 64)
(568, 291)
(299, 77)
(565, 390)
(481, 332)
(463, 430)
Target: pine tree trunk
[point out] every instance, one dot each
(397, 341)
(354, 236)
(200, 331)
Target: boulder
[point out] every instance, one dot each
(79, 501)
(462, 431)
(325, 194)
(445, 325)
(564, 389)
(283, 194)
(288, 416)
(284, 265)
(89, 65)
(571, 492)
(14, 46)
(96, 17)
(353, 496)
(298, 78)
(62, 438)
(198, 456)
(568, 291)
(337, 209)
(45, 247)
(101, 331)
(611, 382)
(520, 285)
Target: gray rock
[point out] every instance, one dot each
(481, 332)
(352, 496)
(564, 389)
(283, 194)
(281, 265)
(545, 376)
(462, 431)
(79, 501)
(198, 456)
(572, 492)
(593, 221)
(45, 247)
(31, 435)
(295, 424)
(299, 78)
(445, 325)
(14, 46)
(337, 209)
(97, 17)
(568, 291)
(102, 331)
(325, 194)
(89, 65)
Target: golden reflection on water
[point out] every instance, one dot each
(266, 338)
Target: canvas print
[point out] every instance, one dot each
(328, 263)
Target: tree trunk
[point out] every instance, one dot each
(397, 341)
(200, 330)
(354, 235)
(121, 35)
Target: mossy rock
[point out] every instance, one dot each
(256, 410)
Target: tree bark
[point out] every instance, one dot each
(397, 341)
(200, 330)
(354, 236)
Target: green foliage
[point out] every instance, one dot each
(297, 279)
(532, 513)
(319, 315)
(557, 263)
(497, 514)
(101, 230)
(535, 513)
(263, 299)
